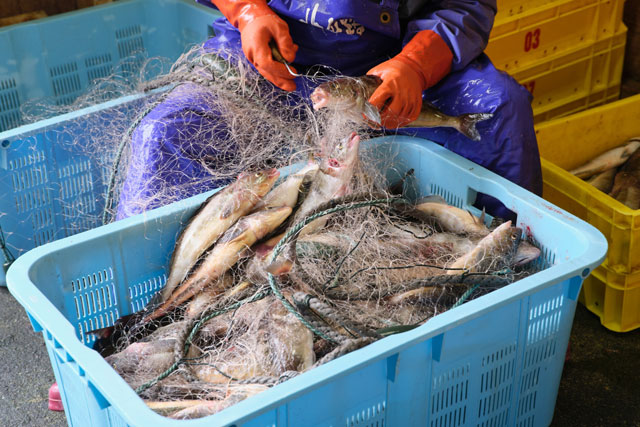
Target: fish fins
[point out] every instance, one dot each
(371, 113)
(481, 219)
(468, 124)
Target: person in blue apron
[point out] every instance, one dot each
(421, 49)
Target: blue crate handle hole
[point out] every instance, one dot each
(5, 143)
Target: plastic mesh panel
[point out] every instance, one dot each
(98, 66)
(130, 47)
(96, 303)
(496, 387)
(9, 105)
(32, 199)
(65, 81)
(369, 417)
(141, 292)
(449, 396)
(544, 323)
(450, 197)
(77, 197)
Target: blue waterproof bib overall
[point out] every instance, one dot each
(352, 37)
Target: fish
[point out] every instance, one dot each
(430, 116)
(205, 408)
(607, 160)
(500, 243)
(348, 94)
(153, 356)
(286, 193)
(414, 295)
(525, 253)
(171, 407)
(604, 180)
(208, 297)
(272, 339)
(226, 252)
(626, 186)
(456, 245)
(453, 219)
(217, 214)
(352, 94)
(332, 180)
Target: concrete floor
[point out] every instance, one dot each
(600, 384)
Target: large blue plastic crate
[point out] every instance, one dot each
(57, 58)
(50, 184)
(494, 361)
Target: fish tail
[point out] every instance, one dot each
(468, 124)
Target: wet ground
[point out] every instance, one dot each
(600, 384)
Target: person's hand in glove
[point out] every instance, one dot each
(259, 26)
(422, 63)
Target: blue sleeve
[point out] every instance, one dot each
(463, 24)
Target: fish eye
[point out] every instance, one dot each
(259, 174)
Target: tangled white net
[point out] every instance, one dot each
(370, 269)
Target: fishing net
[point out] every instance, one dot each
(374, 265)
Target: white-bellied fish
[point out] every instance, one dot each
(453, 219)
(352, 94)
(502, 243)
(226, 252)
(215, 217)
(607, 160)
(626, 186)
(333, 180)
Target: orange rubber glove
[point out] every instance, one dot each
(423, 62)
(258, 26)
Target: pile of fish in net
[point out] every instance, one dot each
(276, 275)
(269, 281)
(616, 172)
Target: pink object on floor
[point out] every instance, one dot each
(55, 402)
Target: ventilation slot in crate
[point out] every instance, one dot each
(140, 293)
(449, 396)
(31, 196)
(370, 417)
(78, 197)
(9, 105)
(95, 302)
(496, 387)
(130, 48)
(450, 197)
(65, 80)
(541, 347)
(98, 66)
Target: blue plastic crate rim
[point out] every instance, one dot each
(543, 302)
(55, 59)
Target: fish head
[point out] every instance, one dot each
(344, 92)
(259, 182)
(343, 158)
(506, 238)
(525, 253)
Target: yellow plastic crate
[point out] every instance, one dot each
(618, 308)
(595, 99)
(575, 75)
(510, 8)
(521, 40)
(613, 291)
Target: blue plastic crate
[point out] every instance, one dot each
(50, 187)
(57, 58)
(494, 361)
